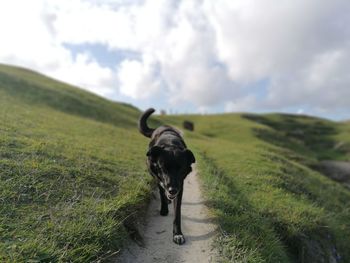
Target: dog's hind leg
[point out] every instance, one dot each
(164, 210)
(178, 237)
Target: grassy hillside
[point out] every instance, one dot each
(73, 177)
(71, 170)
(270, 205)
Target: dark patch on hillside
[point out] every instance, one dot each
(303, 134)
(336, 170)
(312, 245)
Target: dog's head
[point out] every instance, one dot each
(170, 166)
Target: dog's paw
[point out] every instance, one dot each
(179, 239)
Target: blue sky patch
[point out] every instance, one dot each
(102, 54)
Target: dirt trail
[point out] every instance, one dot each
(197, 227)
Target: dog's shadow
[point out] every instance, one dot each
(192, 238)
(212, 231)
(198, 220)
(194, 203)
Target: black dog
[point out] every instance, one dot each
(169, 162)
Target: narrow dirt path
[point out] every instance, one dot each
(197, 227)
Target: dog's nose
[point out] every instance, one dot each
(172, 190)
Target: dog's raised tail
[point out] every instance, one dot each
(143, 127)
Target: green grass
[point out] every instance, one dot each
(73, 177)
(71, 171)
(270, 205)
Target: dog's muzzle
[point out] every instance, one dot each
(171, 197)
(171, 193)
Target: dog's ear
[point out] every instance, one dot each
(190, 157)
(154, 152)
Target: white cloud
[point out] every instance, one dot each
(301, 47)
(243, 104)
(207, 53)
(322, 84)
(138, 79)
(28, 39)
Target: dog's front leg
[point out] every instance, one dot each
(164, 202)
(178, 237)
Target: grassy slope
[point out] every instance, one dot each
(71, 170)
(271, 207)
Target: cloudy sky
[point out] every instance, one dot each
(190, 56)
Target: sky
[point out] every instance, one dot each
(190, 56)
